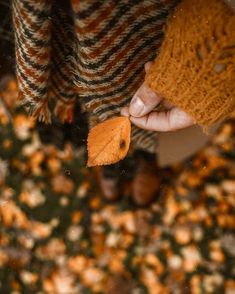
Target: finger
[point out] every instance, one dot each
(167, 104)
(125, 111)
(147, 66)
(144, 101)
(171, 120)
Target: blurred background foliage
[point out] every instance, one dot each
(57, 234)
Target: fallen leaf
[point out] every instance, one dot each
(60, 282)
(109, 141)
(62, 184)
(12, 216)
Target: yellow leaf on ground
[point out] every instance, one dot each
(109, 141)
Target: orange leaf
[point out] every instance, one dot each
(109, 141)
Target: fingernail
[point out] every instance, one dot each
(136, 106)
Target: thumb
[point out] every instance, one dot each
(144, 101)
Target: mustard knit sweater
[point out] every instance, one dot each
(195, 69)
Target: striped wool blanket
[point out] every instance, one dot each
(87, 52)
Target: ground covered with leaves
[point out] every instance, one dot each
(57, 235)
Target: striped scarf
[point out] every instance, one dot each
(87, 52)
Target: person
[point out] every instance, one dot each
(93, 53)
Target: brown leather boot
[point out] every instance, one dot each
(114, 180)
(147, 181)
(108, 180)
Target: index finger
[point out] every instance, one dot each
(171, 120)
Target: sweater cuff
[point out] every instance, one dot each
(195, 69)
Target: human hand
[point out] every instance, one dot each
(140, 111)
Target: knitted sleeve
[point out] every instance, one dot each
(195, 69)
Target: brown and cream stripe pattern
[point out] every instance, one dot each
(90, 52)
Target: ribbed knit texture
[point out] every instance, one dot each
(92, 52)
(195, 69)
